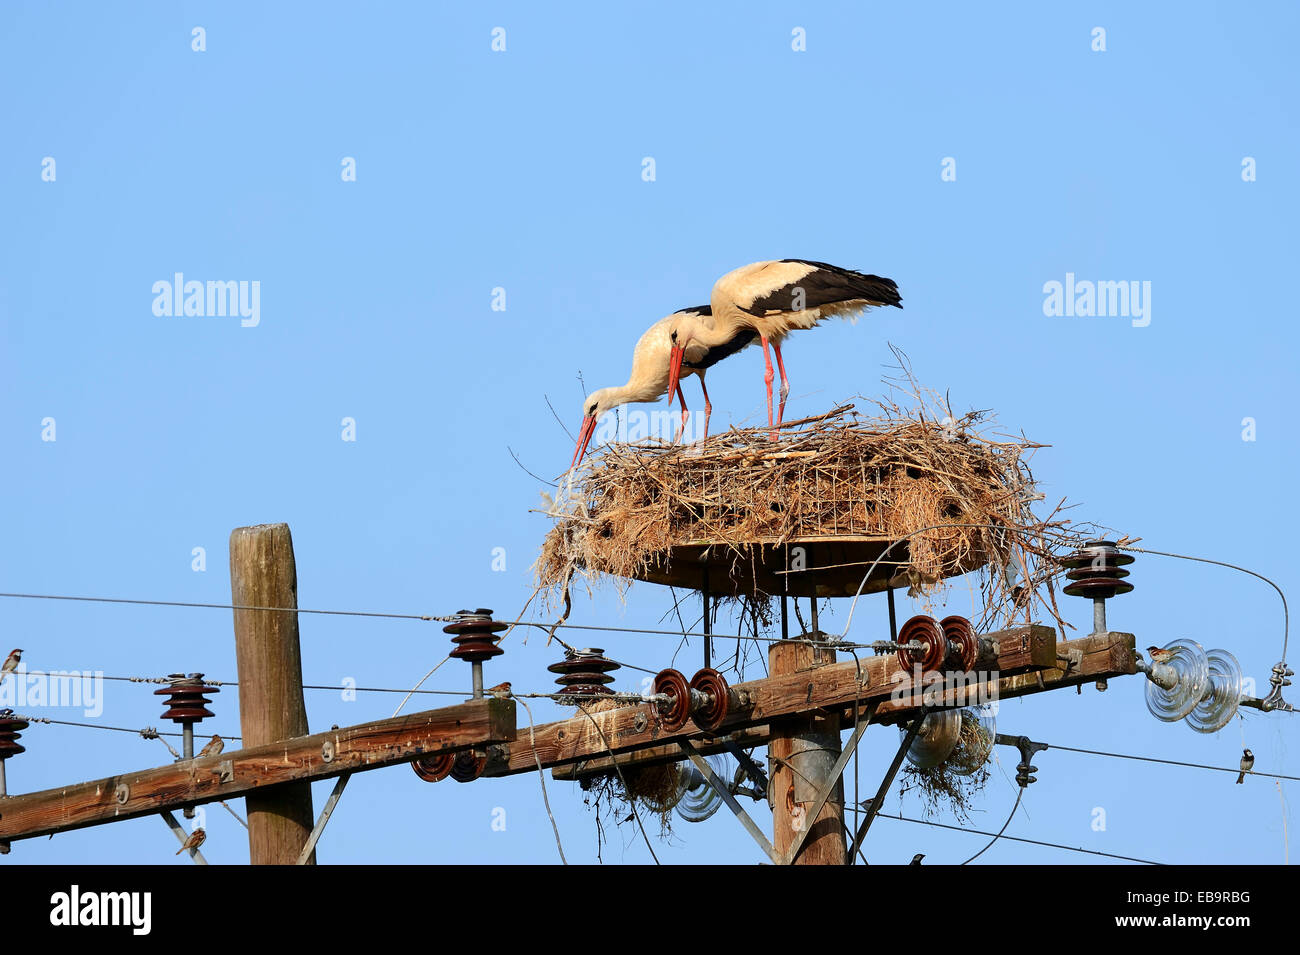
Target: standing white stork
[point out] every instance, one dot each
(773, 299)
(650, 372)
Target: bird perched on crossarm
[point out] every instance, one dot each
(916, 859)
(1247, 764)
(10, 664)
(214, 747)
(193, 840)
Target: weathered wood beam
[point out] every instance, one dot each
(477, 724)
(636, 737)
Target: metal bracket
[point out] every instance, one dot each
(721, 789)
(836, 771)
(1072, 660)
(325, 814)
(1025, 769)
(1279, 679)
(182, 835)
(751, 768)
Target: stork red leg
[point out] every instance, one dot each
(708, 405)
(767, 361)
(681, 432)
(785, 383)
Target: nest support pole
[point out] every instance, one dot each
(708, 619)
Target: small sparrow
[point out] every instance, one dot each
(1159, 656)
(11, 663)
(501, 691)
(916, 859)
(1247, 764)
(193, 840)
(215, 746)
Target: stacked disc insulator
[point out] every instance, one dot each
(1097, 570)
(583, 674)
(186, 698)
(472, 634)
(10, 729)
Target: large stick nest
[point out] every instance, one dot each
(886, 475)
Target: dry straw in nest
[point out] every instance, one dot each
(653, 788)
(939, 786)
(880, 476)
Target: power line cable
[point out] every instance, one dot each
(1036, 842)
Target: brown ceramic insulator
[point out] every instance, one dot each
(186, 703)
(468, 766)
(960, 634)
(712, 686)
(674, 713)
(922, 629)
(584, 673)
(1096, 570)
(10, 727)
(1090, 583)
(433, 768)
(472, 634)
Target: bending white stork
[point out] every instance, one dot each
(772, 299)
(650, 373)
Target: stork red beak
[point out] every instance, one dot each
(674, 371)
(584, 438)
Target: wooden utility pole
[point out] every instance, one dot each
(271, 707)
(802, 752)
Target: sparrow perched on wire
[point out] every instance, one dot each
(1247, 764)
(10, 664)
(215, 746)
(1159, 656)
(501, 691)
(193, 840)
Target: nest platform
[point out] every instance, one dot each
(807, 515)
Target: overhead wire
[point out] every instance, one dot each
(989, 846)
(427, 618)
(1036, 842)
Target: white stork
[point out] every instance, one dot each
(772, 299)
(650, 373)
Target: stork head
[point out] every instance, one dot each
(681, 332)
(593, 406)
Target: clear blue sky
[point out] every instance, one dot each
(522, 170)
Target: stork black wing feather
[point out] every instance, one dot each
(827, 285)
(741, 339)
